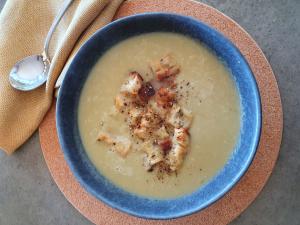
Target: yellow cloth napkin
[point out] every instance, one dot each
(23, 28)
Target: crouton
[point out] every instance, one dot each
(119, 144)
(165, 97)
(179, 148)
(161, 133)
(121, 102)
(180, 117)
(133, 84)
(165, 67)
(153, 155)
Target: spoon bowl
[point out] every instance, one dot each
(29, 73)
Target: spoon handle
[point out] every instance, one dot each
(58, 17)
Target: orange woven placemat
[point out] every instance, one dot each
(239, 198)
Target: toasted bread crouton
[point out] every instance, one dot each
(105, 138)
(175, 157)
(134, 115)
(181, 137)
(141, 132)
(180, 117)
(121, 102)
(161, 111)
(165, 97)
(153, 155)
(161, 133)
(179, 148)
(149, 123)
(119, 144)
(133, 84)
(165, 67)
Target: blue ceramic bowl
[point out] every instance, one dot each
(67, 109)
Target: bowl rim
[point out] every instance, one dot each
(217, 196)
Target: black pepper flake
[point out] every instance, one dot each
(180, 113)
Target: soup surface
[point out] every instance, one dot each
(212, 99)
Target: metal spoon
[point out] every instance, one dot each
(32, 71)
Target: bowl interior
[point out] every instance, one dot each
(67, 109)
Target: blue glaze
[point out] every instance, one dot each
(70, 140)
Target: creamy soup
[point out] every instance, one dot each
(208, 92)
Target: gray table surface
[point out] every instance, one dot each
(29, 196)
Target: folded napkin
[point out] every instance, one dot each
(24, 25)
